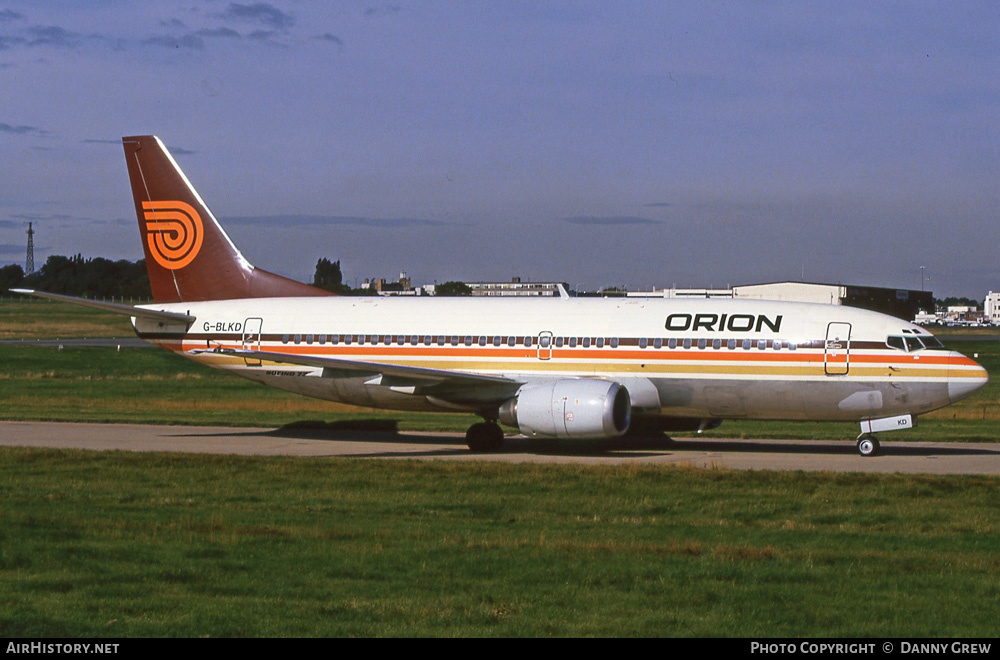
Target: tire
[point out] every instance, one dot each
(484, 437)
(868, 446)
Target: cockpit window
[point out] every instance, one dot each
(912, 343)
(932, 342)
(895, 342)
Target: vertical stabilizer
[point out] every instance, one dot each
(188, 255)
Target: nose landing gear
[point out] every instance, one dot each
(868, 445)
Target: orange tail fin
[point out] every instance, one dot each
(188, 255)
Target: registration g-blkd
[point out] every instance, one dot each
(222, 326)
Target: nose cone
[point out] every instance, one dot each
(965, 377)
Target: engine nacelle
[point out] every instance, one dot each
(572, 408)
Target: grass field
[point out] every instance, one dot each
(96, 544)
(117, 544)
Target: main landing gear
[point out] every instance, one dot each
(868, 445)
(485, 436)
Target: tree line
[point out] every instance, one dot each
(85, 278)
(102, 278)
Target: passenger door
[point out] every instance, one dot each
(251, 339)
(837, 351)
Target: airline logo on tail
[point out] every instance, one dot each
(174, 233)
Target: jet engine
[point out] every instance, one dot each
(571, 408)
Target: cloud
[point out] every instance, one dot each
(53, 35)
(610, 220)
(174, 24)
(189, 41)
(222, 32)
(322, 220)
(332, 38)
(8, 15)
(658, 205)
(259, 12)
(387, 9)
(261, 35)
(22, 130)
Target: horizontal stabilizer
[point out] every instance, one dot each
(115, 308)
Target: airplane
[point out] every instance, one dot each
(568, 368)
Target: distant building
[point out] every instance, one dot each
(402, 287)
(901, 303)
(682, 293)
(514, 288)
(991, 310)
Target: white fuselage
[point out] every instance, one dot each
(718, 359)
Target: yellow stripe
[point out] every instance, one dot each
(604, 368)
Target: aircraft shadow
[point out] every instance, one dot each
(380, 433)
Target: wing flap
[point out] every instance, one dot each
(389, 375)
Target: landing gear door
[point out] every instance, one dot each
(251, 339)
(837, 352)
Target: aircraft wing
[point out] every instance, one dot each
(450, 385)
(117, 308)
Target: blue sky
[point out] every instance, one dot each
(600, 143)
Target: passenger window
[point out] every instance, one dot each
(322, 339)
(482, 341)
(716, 344)
(687, 343)
(496, 340)
(586, 342)
(747, 344)
(572, 342)
(512, 341)
(297, 339)
(702, 343)
(614, 342)
(657, 343)
(643, 343)
(761, 344)
(672, 343)
(284, 339)
(559, 342)
(731, 345)
(600, 342)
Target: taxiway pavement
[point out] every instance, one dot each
(907, 457)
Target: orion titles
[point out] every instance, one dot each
(723, 323)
